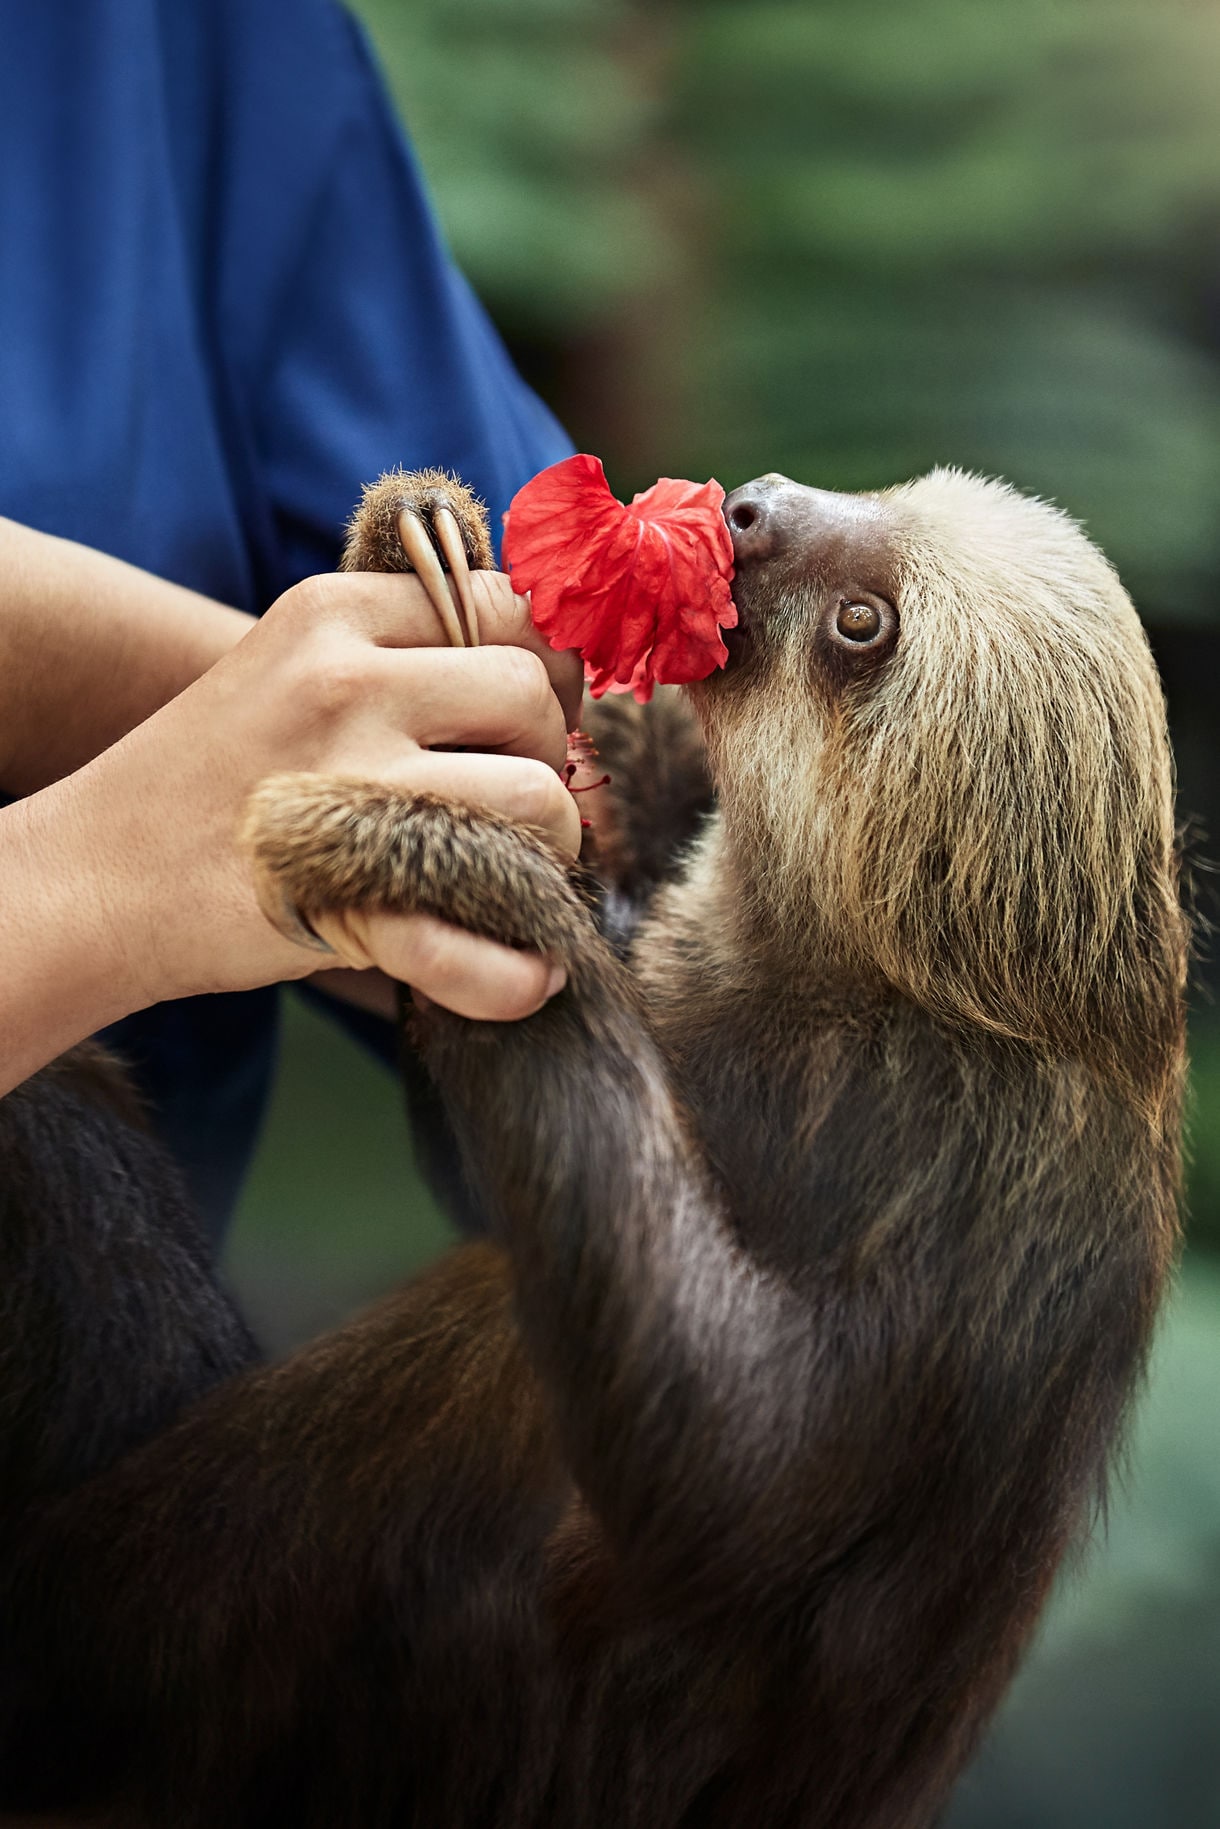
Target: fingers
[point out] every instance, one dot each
(504, 621)
(484, 698)
(394, 610)
(527, 792)
(472, 977)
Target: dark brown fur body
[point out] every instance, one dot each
(725, 1486)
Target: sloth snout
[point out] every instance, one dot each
(759, 518)
(773, 518)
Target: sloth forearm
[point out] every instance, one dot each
(659, 1342)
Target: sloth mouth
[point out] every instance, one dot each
(745, 639)
(739, 641)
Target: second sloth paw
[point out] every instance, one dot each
(427, 522)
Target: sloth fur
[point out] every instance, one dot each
(724, 1483)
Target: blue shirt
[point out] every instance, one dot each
(225, 304)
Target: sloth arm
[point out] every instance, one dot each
(676, 1369)
(658, 794)
(731, 1426)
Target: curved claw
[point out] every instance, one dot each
(343, 931)
(413, 537)
(338, 932)
(281, 910)
(449, 539)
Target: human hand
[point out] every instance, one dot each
(341, 677)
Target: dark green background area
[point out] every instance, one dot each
(849, 240)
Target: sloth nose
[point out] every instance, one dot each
(760, 517)
(773, 515)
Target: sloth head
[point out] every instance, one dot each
(941, 753)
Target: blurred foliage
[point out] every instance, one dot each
(1203, 1135)
(531, 117)
(867, 237)
(967, 234)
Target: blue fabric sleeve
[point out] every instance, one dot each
(381, 354)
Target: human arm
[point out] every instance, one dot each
(90, 647)
(122, 883)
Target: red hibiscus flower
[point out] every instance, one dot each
(642, 590)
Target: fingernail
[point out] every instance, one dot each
(556, 981)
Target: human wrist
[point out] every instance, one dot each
(67, 973)
(172, 903)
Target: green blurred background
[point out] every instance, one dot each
(848, 240)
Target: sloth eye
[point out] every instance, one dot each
(858, 621)
(861, 627)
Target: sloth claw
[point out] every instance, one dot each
(448, 535)
(430, 523)
(416, 543)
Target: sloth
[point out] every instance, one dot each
(830, 1207)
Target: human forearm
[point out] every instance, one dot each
(89, 648)
(65, 973)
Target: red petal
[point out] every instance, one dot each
(642, 590)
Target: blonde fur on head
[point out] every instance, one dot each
(985, 823)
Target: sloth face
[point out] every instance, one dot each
(941, 739)
(814, 571)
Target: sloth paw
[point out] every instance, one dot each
(327, 852)
(659, 794)
(427, 522)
